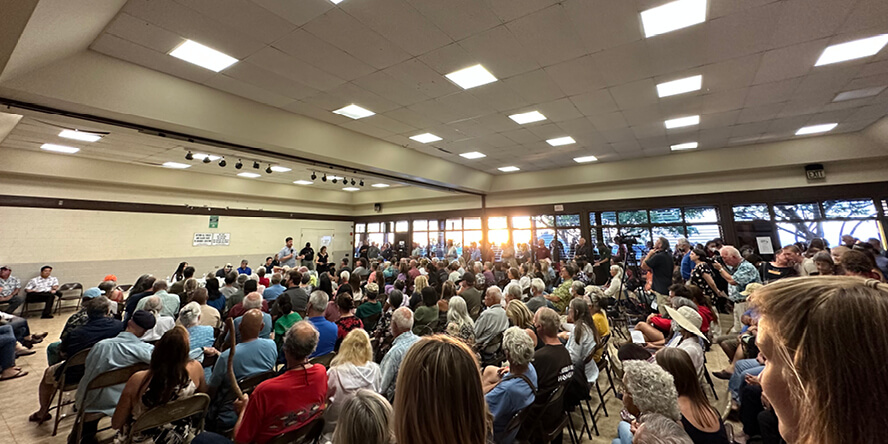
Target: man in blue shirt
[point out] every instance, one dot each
(254, 302)
(510, 389)
(402, 331)
(739, 273)
(253, 355)
(327, 330)
(687, 265)
(275, 289)
(244, 269)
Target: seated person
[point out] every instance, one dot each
(327, 330)
(99, 327)
(657, 328)
(272, 292)
(699, 419)
(121, 351)
(510, 389)
(426, 315)
(383, 333)
(249, 287)
(169, 302)
(79, 318)
(371, 304)
(649, 389)
(289, 401)
(171, 375)
(22, 333)
(352, 370)
(402, 332)
(582, 337)
(43, 288)
(656, 429)
(366, 419)
(201, 337)
(7, 355)
(253, 355)
(347, 320)
(253, 301)
(163, 324)
(209, 316)
(688, 336)
(283, 323)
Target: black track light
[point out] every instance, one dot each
(324, 179)
(222, 162)
(334, 180)
(362, 182)
(268, 170)
(313, 175)
(353, 182)
(207, 159)
(255, 165)
(189, 156)
(239, 164)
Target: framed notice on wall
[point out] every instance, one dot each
(211, 239)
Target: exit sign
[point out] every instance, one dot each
(815, 172)
(214, 221)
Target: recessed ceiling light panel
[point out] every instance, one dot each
(354, 112)
(680, 86)
(351, 189)
(684, 146)
(203, 56)
(509, 169)
(280, 169)
(682, 121)
(524, 118)
(814, 129)
(672, 16)
(303, 182)
(59, 148)
(426, 138)
(471, 77)
(176, 165)
(559, 141)
(852, 50)
(250, 175)
(380, 185)
(585, 159)
(82, 136)
(859, 93)
(202, 156)
(473, 155)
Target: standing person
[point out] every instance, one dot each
(307, 256)
(702, 274)
(659, 262)
(739, 273)
(9, 289)
(287, 255)
(179, 274)
(43, 288)
(584, 251)
(323, 260)
(269, 265)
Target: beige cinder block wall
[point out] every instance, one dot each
(83, 246)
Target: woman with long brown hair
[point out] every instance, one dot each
(699, 419)
(170, 376)
(444, 370)
(824, 339)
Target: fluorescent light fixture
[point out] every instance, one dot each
(471, 77)
(814, 129)
(334, 177)
(558, 141)
(202, 156)
(336, 2)
(351, 189)
(203, 56)
(672, 16)
(682, 121)
(354, 111)
(250, 175)
(59, 148)
(473, 155)
(509, 169)
(684, 146)
(176, 165)
(82, 136)
(859, 93)
(280, 169)
(852, 50)
(533, 116)
(303, 182)
(680, 86)
(426, 138)
(585, 159)
(380, 185)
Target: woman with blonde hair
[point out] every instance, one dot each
(459, 323)
(445, 370)
(416, 298)
(824, 391)
(352, 369)
(366, 420)
(520, 316)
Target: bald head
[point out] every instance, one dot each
(251, 325)
(253, 300)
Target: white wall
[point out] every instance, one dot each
(83, 246)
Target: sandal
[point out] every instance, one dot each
(20, 353)
(34, 418)
(38, 338)
(17, 375)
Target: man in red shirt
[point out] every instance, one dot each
(289, 401)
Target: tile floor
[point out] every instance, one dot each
(18, 398)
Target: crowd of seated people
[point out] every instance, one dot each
(483, 342)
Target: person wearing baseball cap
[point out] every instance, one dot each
(687, 322)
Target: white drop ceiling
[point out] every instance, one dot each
(584, 64)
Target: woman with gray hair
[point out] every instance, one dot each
(648, 389)
(365, 420)
(616, 283)
(153, 305)
(513, 388)
(201, 337)
(658, 429)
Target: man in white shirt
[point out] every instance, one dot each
(9, 289)
(43, 288)
(287, 256)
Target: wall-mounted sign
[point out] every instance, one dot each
(559, 207)
(815, 171)
(211, 239)
(764, 244)
(214, 221)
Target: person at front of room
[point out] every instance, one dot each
(307, 256)
(287, 255)
(9, 290)
(739, 273)
(245, 268)
(43, 288)
(659, 262)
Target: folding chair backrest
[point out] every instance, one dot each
(371, 321)
(248, 383)
(308, 433)
(79, 358)
(115, 377)
(172, 411)
(324, 360)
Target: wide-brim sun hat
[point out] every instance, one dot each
(688, 319)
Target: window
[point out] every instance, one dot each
(609, 218)
(401, 226)
(751, 212)
(636, 217)
(666, 216)
(420, 225)
(802, 211)
(700, 234)
(360, 228)
(567, 220)
(701, 214)
(453, 224)
(472, 223)
(849, 208)
(830, 220)
(374, 227)
(498, 230)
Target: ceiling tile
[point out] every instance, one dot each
(535, 86)
(577, 128)
(125, 50)
(866, 82)
(635, 94)
(800, 20)
(466, 105)
(677, 51)
(450, 58)
(388, 124)
(719, 8)
(724, 101)
(471, 128)
(499, 96)
(597, 102)
(626, 146)
(604, 24)
(870, 112)
(265, 79)
(496, 140)
(434, 110)
(866, 14)
(398, 22)
(624, 63)
(557, 110)
(609, 121)
(458, 18)
(649, 130)
(643, 115)
(348, 34)
(143, 33)
(248, 91)
(287, 66)
(792, 61)
(500, 52)
(548, 35)
(771, 92)
(721, 119)
(547, 131)
(245, 16)
(298, 13)
(831, 80)
(760, 113)
(508, 10)
(496, 122)
(521, 136)
(391, 88)
(310, 49)
(366, 128)
(730, 74)
(870, 69)
(743, 33)
(577, 76)
(418, 75)
(412, 118)
(351, 93)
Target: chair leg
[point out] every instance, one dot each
(594, 422)
(711, 385)
(570, 430)
(585, 422)
(601, 398)
(58, 416)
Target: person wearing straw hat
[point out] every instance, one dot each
(686, 322)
